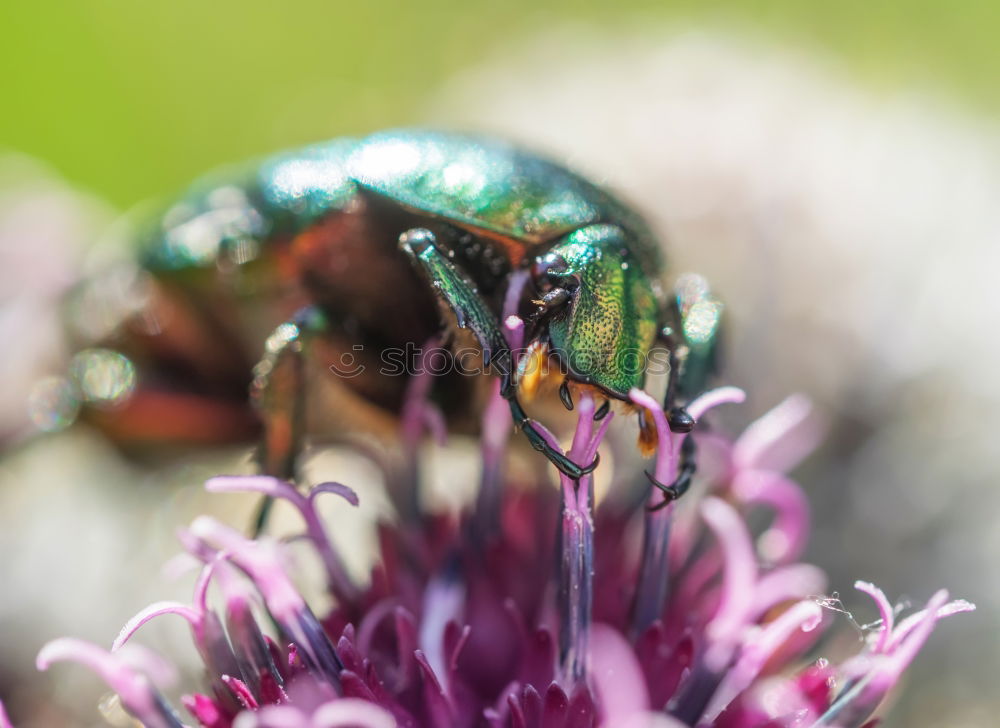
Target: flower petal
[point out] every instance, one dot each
(157, 609)
(135, 690)
(738, 581)
(616, 676)
(352, 713)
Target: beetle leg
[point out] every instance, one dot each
(678, 417)
(455, 290)
(524, 423)
(697, 333)
(686, 471)
(692, 337)
(278, 392)
(471, 312)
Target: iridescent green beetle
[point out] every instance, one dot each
(356, 235)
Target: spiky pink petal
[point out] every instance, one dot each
(757, 649)
(738, 581)
(4, 718)
(780, 438)
(137, 693)
(157, 609)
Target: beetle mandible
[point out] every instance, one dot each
(362, 237)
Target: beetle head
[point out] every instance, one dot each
(598, 310)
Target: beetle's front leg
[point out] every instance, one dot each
(680, 421)
(524, 423)
(278, 393)
(686, 470)
(460, 295)
(677, 416)
(692, 337)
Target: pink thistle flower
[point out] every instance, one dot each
(533, 609)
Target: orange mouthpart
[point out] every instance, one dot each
(648, 437)
(535, 370)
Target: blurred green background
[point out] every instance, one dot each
(131, 99)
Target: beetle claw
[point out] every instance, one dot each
(659, 506)
(565, 396)
(670, 492)
(570, 469)
(667, 490)
(593, 466)
(680, 486)
(680, 420)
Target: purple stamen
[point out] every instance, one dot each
(575, 593)
(907, 625)
(205, 710)
(195, 547)
(440, 708)
(873, 674)
(739, 579)
(728, 627)
(514, 333)
(907, 643)
(158, 609)
(435, 424)
(666, 451)
(496, 422)
(261, 562)
(652, 591)
(512, 297)
(340, 583)
(795, 581)
(757, 649)
(653, 588)
(576, 539)
(780, 438)
(496, 432)
(241, 691)
(418, 399)
(583, 436)
(352, 713)
(885, 612)
(137, 694)
(721, 651)
(713, 398)
(786, 539)
(248, 643)
(209, 637)
(417, 415)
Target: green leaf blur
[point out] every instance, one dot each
(130, 98)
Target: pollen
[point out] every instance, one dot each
(533, 369)
(647, 434)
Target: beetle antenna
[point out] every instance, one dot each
(551, 301)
